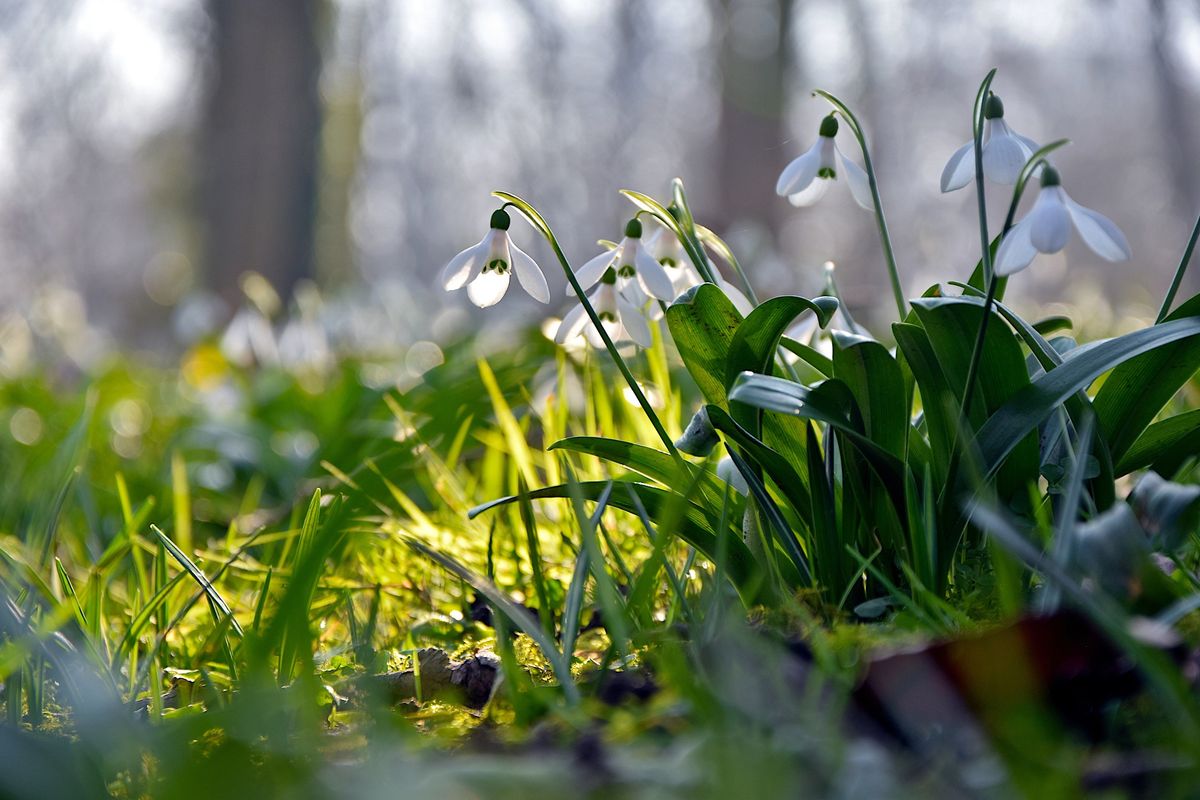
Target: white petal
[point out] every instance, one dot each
(634, 323)
(572, 324)
(530, 276)
(800, 173)
(739, 300)
(1098, 231)
(1030, 145)
(1049, 222)
(631, 289)
(815, 191)
(652, 276)
(1016, 250)
(489, 288)
(1003, 154)
(860, 184)
(728, 472)
(593, 270)
(464, 267)
(960, 168)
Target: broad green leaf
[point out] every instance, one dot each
(952, 325)
(702, 323)
(1164, 445)
(830, 402)
(875, 380)
(791, 483)
(1137, 390)
(937, 398)
(808, 355)
(1021, 415)
(756, 339)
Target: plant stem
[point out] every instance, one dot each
(884, 236)
(977, 134)
(1178, 279)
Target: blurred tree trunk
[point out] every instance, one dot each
(259, 145)
(1174, 107)
(752, 133)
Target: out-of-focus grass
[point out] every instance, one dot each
(201, 564)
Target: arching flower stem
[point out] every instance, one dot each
(539, 223)
(885, 237)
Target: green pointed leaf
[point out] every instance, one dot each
(875, 380)
(1006, 428)
(702, 323)
(1137, 390)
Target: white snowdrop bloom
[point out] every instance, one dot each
(664, 247)
(621, 319)
(639, 276)
(1004, 152)
(728, 472)
(249, 339)
(1047, 227)
(807, 178)
(485, 268)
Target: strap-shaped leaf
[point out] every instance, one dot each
(702, 323)
(877, 384)
(1005, 429)
(1137, 390)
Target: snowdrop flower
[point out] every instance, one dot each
(621, 319)
(806, 179)
(1004, 151)
(728, 472)
(485, 268)
(665, 248)
(1047, 227)
(639, 276)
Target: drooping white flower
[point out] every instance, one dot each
(639, 276)
(1004, 152)
(728, 472)
(621, 319)
(485, 268)
(1047, 228)
(665, 247)
(807, 178)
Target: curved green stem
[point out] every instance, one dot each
(977, 133)
(1169, 300)
(706, 236)
(539, 223)
(885, 237)
(1035, 161)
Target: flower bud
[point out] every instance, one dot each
(699, 438)
(829, 127)
(993, 108)
(500, 219)
(728, 472)
(633, 229)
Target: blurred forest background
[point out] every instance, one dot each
(153, 151)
